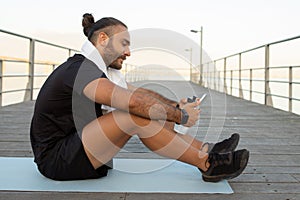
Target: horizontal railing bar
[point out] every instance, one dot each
(41, 75)
(11, 91)
(253, 91)
(20, 60)
(23, 75)
(248, 69)
(236, 54)
(276, 95)
(257, 80)
(15, 34)
(277, 81)
(18, 90)
(295, 99)
(14, 76)
(37, 40)
(55, 45)
(285, 40)
(284, 97)
(261, 46)
(15, 61)
(236, 79)
(284, 67)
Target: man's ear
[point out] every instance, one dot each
(103, 39)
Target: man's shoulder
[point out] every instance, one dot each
(77, 61)
(76, 58)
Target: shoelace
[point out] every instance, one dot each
(216, 159)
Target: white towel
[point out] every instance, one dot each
(89, 51)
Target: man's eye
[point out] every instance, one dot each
(125, 43)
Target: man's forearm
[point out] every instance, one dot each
(146, 105)
(157, 96)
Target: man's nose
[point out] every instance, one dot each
(127, 52)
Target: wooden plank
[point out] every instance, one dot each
(271, 135)
(15, 145)
(265, 178)
(297, 177)
(275, 160)
(269, 188)
(273, 169)
(12, 195)
(16, 153)
(136, 196)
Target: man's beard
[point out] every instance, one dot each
(110, 54)
(116, 64)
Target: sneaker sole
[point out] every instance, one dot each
(218, 178)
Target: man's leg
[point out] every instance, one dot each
(223, 146)
(188, 138)
(103, 138)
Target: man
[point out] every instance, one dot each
(72, 139)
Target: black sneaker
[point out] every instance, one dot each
(225, 165)
(224, 146)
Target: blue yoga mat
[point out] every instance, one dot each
(128, 175)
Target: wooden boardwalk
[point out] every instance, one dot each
(271, 135)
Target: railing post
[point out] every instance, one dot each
(240, 77)
(250, 87)
(31, 67)
(231, 77)
(207, 76)
(70, 52)
(211, 77)
(1, 80)
(219, 81)
(215, 80)
(290, 89)
(29, 89)
(225, 86)
(268, 98)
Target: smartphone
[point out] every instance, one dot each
(203, 97)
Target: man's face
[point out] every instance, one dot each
(117, 64)
(117, 48)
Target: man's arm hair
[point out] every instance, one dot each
(152, 93)
(141, 104)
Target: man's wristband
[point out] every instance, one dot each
(184, 116)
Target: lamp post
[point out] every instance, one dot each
(200, 64)
(191, 61)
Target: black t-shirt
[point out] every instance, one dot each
(61, 107)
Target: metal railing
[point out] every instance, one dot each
(30, 62)
(223, 80)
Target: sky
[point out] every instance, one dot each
(229, 26)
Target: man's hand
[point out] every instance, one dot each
(193, 113)
(182, 102)
(185, 101)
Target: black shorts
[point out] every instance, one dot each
(67, 160)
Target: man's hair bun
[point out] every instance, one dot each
(87, 22)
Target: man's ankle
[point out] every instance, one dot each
(204, 164)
